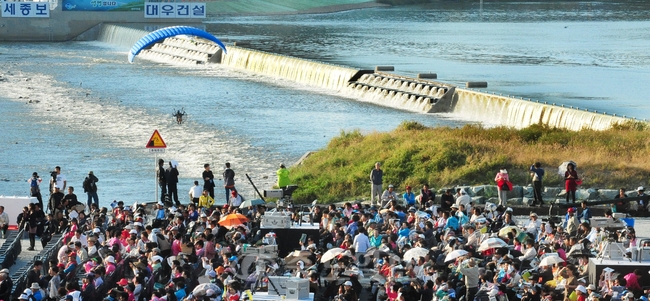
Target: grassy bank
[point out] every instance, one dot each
(442, 157)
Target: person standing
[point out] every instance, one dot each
(172, 182)
(90, 188)
(283, 176)
(55, 203)
(195, 193)
(228, 181)
(4, 221)
(58, 180)
(503, 185)
(471, 273)
(376, 180)
(34, 187)
(208, 180)
(537, 172)
(570, 182)
(162, 179)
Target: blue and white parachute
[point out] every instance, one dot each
(166, 32)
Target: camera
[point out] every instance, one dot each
(53, 174)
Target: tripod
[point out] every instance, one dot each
(607, 252)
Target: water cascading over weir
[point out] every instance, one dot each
(372, 86)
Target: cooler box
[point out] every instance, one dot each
(297, 289)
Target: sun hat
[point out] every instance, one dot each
(23, 297)
(390, 186)
(211, 274)
(591, 287)
(35, 286)
(348, 283)
(640, 188)
(110, 259)
(157, 258)
(581, 289)
(123, 282)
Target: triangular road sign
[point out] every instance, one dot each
(156, 141)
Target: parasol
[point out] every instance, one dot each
(249, 203)
(455, 254)
(550, 260)
(563, 167)
(492, 243)
(331, 254)
(507, 229)
(233, 219)
(415, 253)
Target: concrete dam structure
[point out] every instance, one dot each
(373, 86)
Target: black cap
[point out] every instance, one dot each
(35, 174)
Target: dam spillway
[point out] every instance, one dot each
(371, 86)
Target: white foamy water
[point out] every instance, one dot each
(96, 112)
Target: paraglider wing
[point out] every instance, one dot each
(166, 32)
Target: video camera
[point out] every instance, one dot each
(53, 174)
(283, 195)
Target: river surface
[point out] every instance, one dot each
(96, 112)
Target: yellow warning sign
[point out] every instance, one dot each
(156, 141)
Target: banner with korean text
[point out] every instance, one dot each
(25, 9)
(174, 10)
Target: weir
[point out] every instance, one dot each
(302, 71)
(519, 113)
(372, 86)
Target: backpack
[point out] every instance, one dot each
(34, 183)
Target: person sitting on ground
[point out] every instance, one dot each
(409, 196)
(389, 194)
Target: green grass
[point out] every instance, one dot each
(414, 155)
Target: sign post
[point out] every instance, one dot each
(156, 145)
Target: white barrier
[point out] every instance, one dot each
(14, 205)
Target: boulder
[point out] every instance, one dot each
(514, 201)
(607, 194)
(479, 200)
(586, 194)
(552, 192)
(527, 201)
(468, 189)
(529, 192)
(478, 190)
(493, 200)
(516, 192)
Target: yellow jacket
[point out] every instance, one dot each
(206, 201)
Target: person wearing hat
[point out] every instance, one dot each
(471, 235)
(90, 188)
(572, 222)
(503, 185)
(235, 199)
(471, 275)
(34, 187)
(409, 196)
(389, 195)
(6, 285)
(37, 293)
(534, 224)
(348, 291)
(23, 297)
(643, 204)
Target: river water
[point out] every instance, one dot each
(96, 112)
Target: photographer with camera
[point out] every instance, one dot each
(34, 187)
(58, 179)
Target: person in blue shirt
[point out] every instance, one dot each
(452, 221)
(585, 215)
(160, 212)
(403, 230)
(409, 196)
(537, 172)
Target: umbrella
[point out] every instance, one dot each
(422, 214)
(331, 254)
(492, 243)
(415, 253)
(507, 229)
(248, 203)
(204, 287)
(550, 260)
(562, 168)
(295, 260)
(374, 252)
(455, 254)
(233, 219)
(297, 255)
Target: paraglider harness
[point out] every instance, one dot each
(179, 115)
